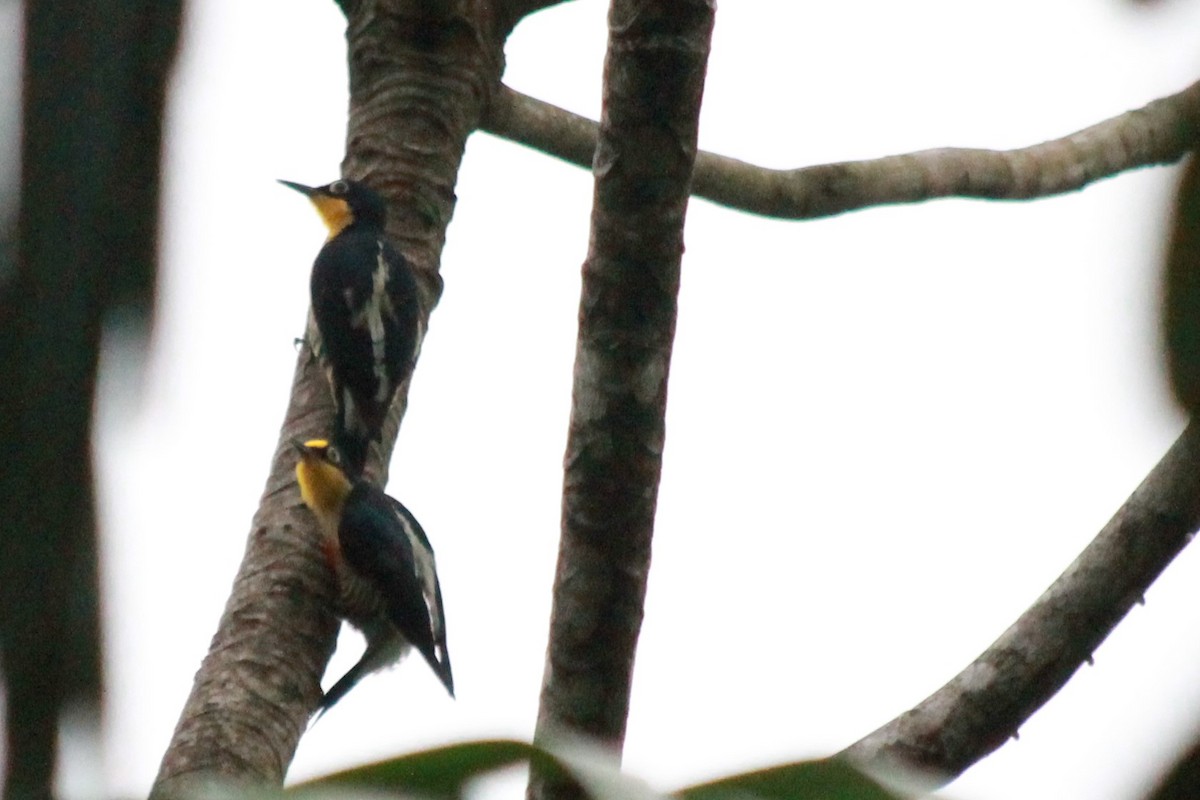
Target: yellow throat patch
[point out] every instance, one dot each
(323, 486)
(335, 212)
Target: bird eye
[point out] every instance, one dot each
(339, 187)
(334, 456)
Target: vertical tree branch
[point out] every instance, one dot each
(417, 88)
(653, 82)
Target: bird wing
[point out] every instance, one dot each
(382, 541)
(365, 304)
(404, 308)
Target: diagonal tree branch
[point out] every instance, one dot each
(1159, 133)
(983, 706)
(416, 89)
(523, 8)
(510, 12)
(653, 82)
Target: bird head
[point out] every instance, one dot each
(324, 484)
(343, 203)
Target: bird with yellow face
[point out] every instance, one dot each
(366, 310)
(387, 578)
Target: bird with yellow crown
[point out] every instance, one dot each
(384, 564)
(367, 320)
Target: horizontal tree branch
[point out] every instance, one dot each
(1158, 133)
(979, 709)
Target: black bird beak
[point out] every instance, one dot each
(301, 448)
(307, 191)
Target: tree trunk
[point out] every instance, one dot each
(420, 74)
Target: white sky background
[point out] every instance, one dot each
(887, 432)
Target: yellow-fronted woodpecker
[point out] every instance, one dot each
(387, 578)
(364, 301)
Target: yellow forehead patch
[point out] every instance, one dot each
(316, 443)
(335, 212)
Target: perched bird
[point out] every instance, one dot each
(388, 584)
(364, 302)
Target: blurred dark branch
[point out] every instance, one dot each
(1181, 333)
(1158, 133)
(1182, 781)
(983, 706)
(653, 82)
(93, 94)
(1181, 292)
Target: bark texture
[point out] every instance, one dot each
(1161, 132)
(984, 705)
(92, 105)
(419, 78)
(653, 82)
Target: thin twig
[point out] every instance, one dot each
(1159, 133)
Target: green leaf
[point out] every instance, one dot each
(596, 769)
(441, 772)
(823, 779)
(444, 772)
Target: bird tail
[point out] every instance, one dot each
(438, 659)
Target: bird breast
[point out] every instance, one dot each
(359, 601)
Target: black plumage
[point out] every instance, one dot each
(381, 541)
(364, 303)
(387, 576)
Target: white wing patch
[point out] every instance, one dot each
(371, 316)
(351, 410)
(426, 573)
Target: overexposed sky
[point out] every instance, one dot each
(887, 432)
